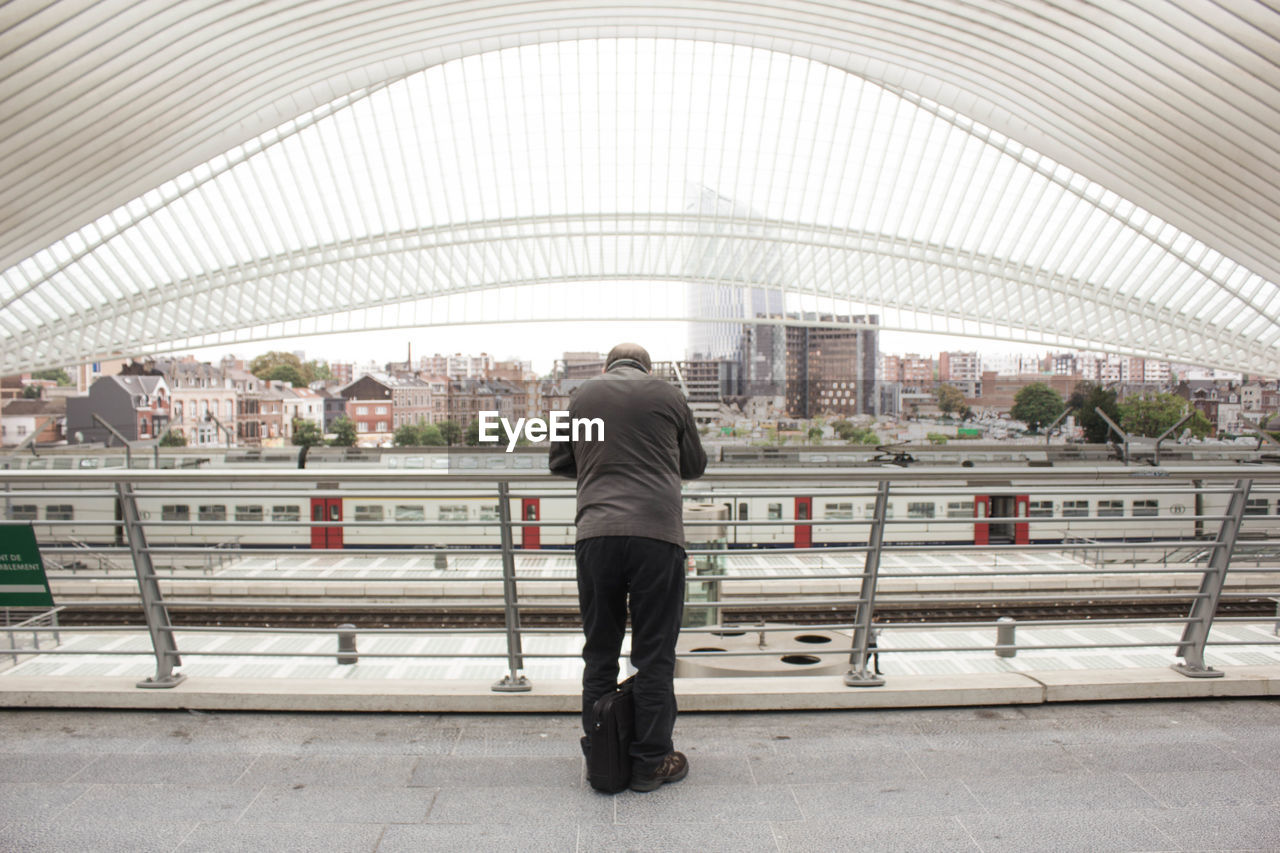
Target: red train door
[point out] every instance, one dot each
(804, 532)
(1021, 528)
(981, 509)
(530, 537)
(326, 510)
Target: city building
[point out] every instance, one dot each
(832, 371)
(23, 418)
(136, 407)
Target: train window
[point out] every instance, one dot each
(59, 512)
(838, 512)
(453, 512)
(523, 462)
(920, 509)
(441, 462)
(468, 462)
(166, 462)
(141, 462)
(1146, 507)
(249, 512)
(871, 510)
(1110, 508)
(742, 511)
(408, 512)
(287, 512)
(37, 463)
(960, 509)
(495, 462)
(489, 513)
(415, 462)
(24, 512)
(88, 463)
(802, 512)
(62, 463)
(775, 511)
(175, 512)
(1040, 509)
(213, 512)
(113, 462)
(393, 462)
(1256, 506)
(368, 512)
(531, 512)
(1075, 509)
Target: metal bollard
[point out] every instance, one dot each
(347, 644)
(1005, 644)
(442, 559)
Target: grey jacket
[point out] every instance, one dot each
(629, 483)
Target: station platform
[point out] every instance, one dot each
(1149, 775)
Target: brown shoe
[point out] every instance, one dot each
(672, 769)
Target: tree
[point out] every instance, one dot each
(863, 435)
(306, 433)
(473, 433)
(451, 432)
(950, 399)
(316, 370)
(31, 392)
(262, 366)
(173, 438)
(815, 434)
(937, 438)
(1085, 399)
(344, 430)
(1150, 415)
(1037, 405)
(287, 373)
(57, 375)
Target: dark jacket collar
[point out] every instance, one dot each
(626, 362)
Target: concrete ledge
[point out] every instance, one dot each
(696, 694)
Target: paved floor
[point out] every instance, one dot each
(1160, 775)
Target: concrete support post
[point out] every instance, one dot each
(514, 681)
(153, 607)
(1196, 632)
(1006, 644)
(858, 676)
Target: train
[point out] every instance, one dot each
(441, 514)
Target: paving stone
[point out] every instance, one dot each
(282, 838)
(161, 802)
(446, 771)
(318, 770)
(1075, 830)
(719, 837)
(1210, 788)
(165, 769)
(689, 802)
(506, 805)
(525, 837)
(333, 804)
(41, 766)
(873, 832)
(105, 835)
(1138, 757)
(862, 768)
(906, 798)
(1011, 758)
(35, 801)
(1011, 792)
(1236, 827)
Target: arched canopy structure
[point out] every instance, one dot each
(202, 173)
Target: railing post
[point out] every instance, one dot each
(514, 681)
(153, 607)
(858, 676)
(1196, 632)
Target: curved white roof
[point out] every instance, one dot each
(207, 172)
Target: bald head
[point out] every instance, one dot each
(630, 352)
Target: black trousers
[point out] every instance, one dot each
(649, 575)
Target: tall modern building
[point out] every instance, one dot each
(735, 275)
(832, 371)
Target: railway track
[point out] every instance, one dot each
(238, 616)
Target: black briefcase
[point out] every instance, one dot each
(613, 722)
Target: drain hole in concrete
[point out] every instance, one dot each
(800, 660)
(812, 638)
(707, 649)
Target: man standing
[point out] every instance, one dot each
(630, 545)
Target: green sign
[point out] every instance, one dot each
(22, 580)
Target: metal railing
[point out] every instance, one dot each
(854, 574)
